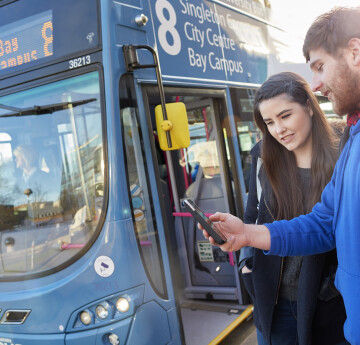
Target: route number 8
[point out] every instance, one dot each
(167, 26)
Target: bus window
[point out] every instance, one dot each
(6, 181)
(248, 133)
(202, 151)
(50, 172)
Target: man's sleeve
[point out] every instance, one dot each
(308, 234)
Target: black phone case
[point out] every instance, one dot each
(204, 221)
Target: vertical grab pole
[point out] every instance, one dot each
(132, 63)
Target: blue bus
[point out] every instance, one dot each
(95, 247)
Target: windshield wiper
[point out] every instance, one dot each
(44, 109)
(7, 107)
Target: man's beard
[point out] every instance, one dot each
(347, 97)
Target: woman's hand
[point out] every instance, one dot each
(245, 270)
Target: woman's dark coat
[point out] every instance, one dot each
(319, 322)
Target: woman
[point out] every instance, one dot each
(294, 299)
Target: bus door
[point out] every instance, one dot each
(204, 172)
(247, 132)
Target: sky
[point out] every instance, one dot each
(297, 16)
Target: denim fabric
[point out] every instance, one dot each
(284, 324)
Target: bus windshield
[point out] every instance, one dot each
(51, 174)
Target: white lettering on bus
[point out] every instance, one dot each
(202, 14)
(167, 25)
(194, 34)
(215, 63)
(226, 65)
(198, 60)
(79, 62)
(220, 40)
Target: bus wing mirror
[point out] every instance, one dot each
(176, 125)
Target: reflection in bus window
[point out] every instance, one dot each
(51, 174)
(34, 180)
(247, 131)
(202, 151)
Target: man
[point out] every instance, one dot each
(332, 47)
(41, 185)
(26, 158)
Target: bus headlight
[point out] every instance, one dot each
(122, 305)
(85, 317)
(102, 311)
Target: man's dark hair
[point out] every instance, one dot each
(333, 30)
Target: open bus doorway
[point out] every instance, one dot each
(206, 280)
(206, 173)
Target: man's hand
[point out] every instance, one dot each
(237, 233)
(231, 227)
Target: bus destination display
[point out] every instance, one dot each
(26, 40)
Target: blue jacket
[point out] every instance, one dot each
(333, 222)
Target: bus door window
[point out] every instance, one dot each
(205, 157)
(202, 151)
(49, 151)
(140, 190)
(248, 133)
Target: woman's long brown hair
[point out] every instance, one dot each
(279, 163)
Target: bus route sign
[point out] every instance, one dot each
(26, 40)
(209, 41)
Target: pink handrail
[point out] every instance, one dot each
(72, 245)
(146, 243)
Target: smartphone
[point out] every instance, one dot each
(206, 223)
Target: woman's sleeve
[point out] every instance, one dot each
(251, 210)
